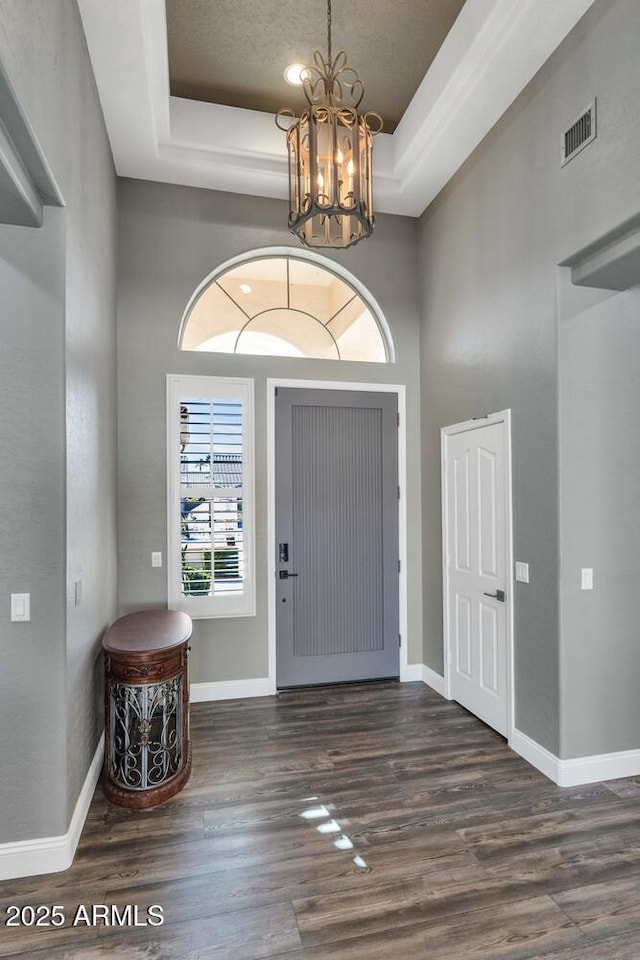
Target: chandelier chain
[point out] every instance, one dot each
(329, 30)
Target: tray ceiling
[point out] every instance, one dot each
(234, 51)
(493, 49)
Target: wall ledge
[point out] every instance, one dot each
(612, 262)
(29, 858)
(26, 181)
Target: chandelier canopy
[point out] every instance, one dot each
(330, 149)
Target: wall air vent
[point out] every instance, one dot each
(581, 132)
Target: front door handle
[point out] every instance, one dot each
(498, 595)
(284, 574)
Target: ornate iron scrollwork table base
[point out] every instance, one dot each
(147, 745)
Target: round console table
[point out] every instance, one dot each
(147, 748)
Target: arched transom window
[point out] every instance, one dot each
(283, 306)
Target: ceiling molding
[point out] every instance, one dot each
(493, 50)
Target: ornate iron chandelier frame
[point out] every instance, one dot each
(330, 147)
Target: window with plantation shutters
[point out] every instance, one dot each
(210, 460)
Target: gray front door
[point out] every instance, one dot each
(336, 536)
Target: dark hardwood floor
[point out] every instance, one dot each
(370, 822)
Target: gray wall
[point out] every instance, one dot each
(58, 388)
(488, 249)
(170, 239)
(32, 529)
(599, 355)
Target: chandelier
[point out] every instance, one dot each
(330, 150)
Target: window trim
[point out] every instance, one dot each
(210, 388)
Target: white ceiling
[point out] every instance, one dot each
(492, 51)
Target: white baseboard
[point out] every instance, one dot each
(535, 754)
(433, 680)
(412, 671)
(261, 687)
(603, 766)
(418, 671)
(577, 770)
(29, 858)
(230, 690)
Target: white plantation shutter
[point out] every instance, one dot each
(210, 461)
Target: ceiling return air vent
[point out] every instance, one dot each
(579, 135)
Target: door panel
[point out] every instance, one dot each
(463, 636)
(477, 566)
(337, 513)
(487, 494)
(489, 658)
(462, 530)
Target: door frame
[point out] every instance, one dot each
(502, 417)
(400, 391)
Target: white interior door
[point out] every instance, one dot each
(477, 567)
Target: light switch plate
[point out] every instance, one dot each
(586, 581)
(522, 572)
(20, 607)
(156, 558)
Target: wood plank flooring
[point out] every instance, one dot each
(351, 823)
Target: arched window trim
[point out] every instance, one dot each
(293, 253)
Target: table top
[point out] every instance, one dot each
(147, 631)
